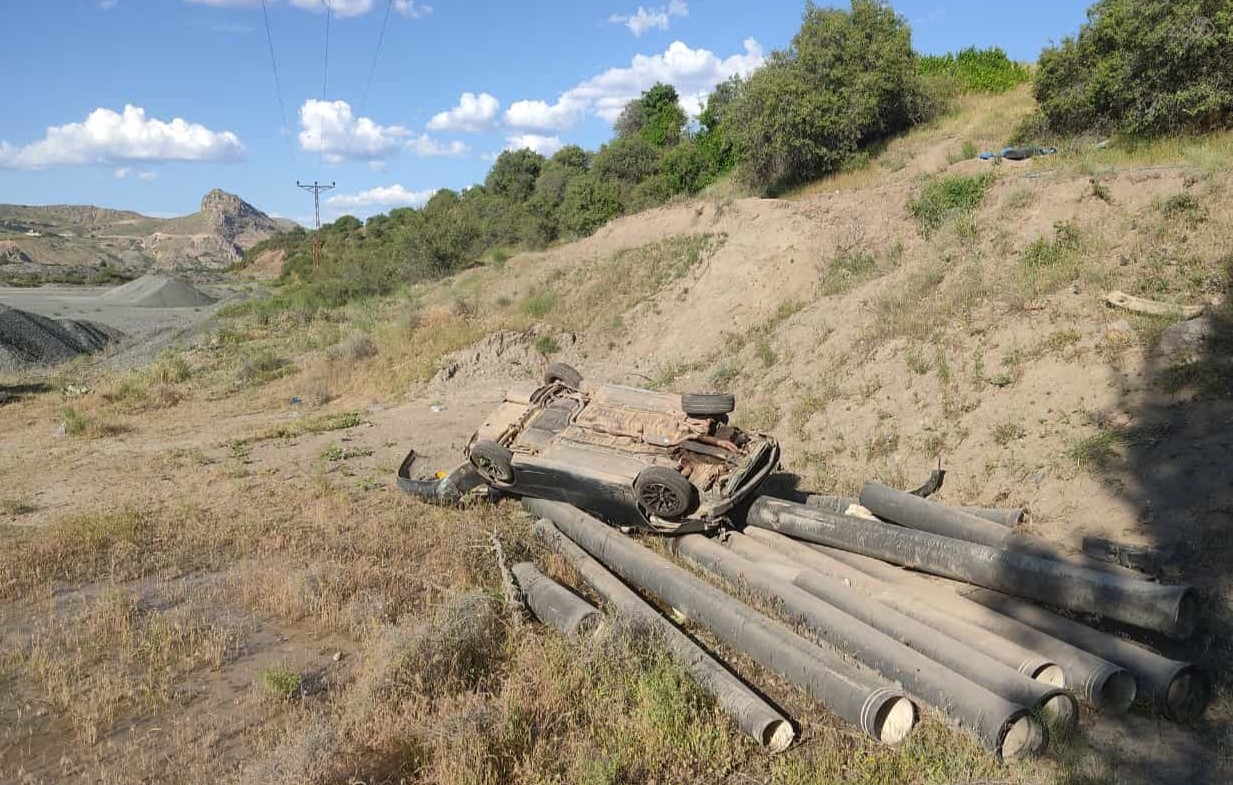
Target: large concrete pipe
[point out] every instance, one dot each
(751, 712)
(1102, 684)
(841, 619)
(1168, 609)
(929, 516)
(1009, 517)
(553, 604)
(762, 545)
(1179, 689)
(860, 697)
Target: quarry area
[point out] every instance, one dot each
(209, 574)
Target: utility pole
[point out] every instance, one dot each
(315, 189)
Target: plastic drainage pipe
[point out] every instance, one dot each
(853, 596)
(751, 712)
(860, 697)
(555, 605)
(1010, 518)
(1102, 684)
(1168, 609)
(762, 545)
(929, 516)
(1005, 727)
(1179, 689)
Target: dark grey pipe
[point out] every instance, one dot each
(751, 712)
(1178, 689)
(1168, 609)
(1104, 685)
(1010, 518)
(555, 605)
(929, 516)
(840, 617)
(858, 596)
(861, 697)
(761, 545)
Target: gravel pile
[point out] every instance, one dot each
(27, 339)
(156, 291)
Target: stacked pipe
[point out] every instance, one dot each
(816, 544)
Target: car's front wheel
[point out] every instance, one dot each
(664, 492)
(493, 461)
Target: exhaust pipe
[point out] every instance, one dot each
(1178, 689)
(1010, 518)
(762, 545)
(1168, 609)
(860, 697)
(1102, 684)
(555, 605)
(840, 617)
(929, 516)
(752, 713)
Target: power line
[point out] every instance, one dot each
(372, 69)
(278, 88)
(325, 82)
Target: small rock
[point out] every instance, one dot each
(1184, 340)
(337, 656)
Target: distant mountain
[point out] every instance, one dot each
(85, 243)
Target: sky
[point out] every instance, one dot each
(148, 104)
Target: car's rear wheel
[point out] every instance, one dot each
(664, 492)
(563, 373)
(493, 461)
(708, 404)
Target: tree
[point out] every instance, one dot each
(513, 174)
(849, 78)
(589, 203)
(1143, 67)
(571, 156)
(629, 159)
(631, 120)
(714, 142)
(685, 168)
(664, 117)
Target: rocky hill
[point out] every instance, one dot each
(81, 243)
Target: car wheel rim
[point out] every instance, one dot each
(661, 499)
(489, 469)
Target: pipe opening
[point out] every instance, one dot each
(778, 736)
(1050, 674)
(1061, 710)
(1187, 614)
(1187, 694)
(1022, 735)
(894, 720)
(1116, 692)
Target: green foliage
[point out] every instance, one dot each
(976, 70)
(628, 160)
(588, 204)
(1141, 67)
(539, 303)
(281, 682)
(655, 116)
(947, 197)
(849, 78)
(513, 174)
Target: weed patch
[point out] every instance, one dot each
(948, 197)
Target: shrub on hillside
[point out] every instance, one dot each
(849, 78)
(1142, 67)
(976, 70)
(589, 203)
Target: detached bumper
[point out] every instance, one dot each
(444, 490)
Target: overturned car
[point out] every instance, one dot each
(654, 460)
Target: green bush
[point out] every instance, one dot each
(944, 198)
(976, 70)
(589, 203)
(1142, 67)
(629, 160)
(849, 78)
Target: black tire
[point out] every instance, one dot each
(563, 373)
(663, 492)
(708, 404)
(494, 462)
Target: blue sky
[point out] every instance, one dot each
(148, 104)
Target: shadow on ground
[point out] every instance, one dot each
(11, 393)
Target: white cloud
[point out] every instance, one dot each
(473, 113)
(147, 176)
(426, 147)
(109, 137)
(693, 72)
(331, 129)
(412, 9)
(544, 145)
(646, 19)
(381, 196)
(107, 5)
(123, 172)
